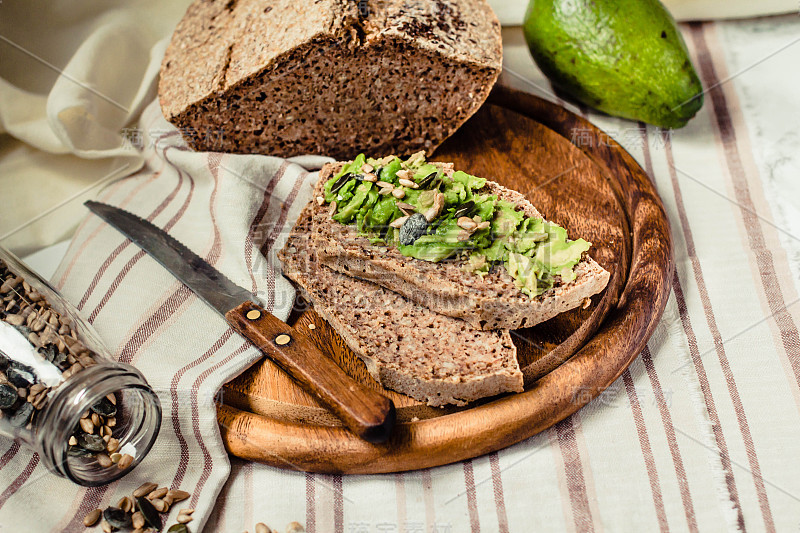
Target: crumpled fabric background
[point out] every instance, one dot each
(700, 434)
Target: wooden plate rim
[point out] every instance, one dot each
(552, 398)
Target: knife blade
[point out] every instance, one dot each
(364, 411)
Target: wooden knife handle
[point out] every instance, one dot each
(364, 411)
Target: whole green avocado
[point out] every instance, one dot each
(623, 57)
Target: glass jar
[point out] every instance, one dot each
(90, 418)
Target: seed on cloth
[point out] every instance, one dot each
(261, 527)
(138, 520)
(160, 505)
(145, 488)
(91, 519)
(178, 495)
(149, 512)
(116, 517)
(125, 504)
(160, 493)
(295, 527)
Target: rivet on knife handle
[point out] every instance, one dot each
(364, 411)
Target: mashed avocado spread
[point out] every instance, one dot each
(431, 216)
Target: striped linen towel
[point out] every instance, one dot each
(230, 209)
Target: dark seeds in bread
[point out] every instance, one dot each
(332, 77)
(406, 347)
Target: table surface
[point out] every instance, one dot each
(703, 431)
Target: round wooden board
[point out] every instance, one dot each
(593, 188)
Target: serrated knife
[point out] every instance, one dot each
(364, 411)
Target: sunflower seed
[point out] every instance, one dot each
(158, 493)
(137, 520)
(125, 504)
(398, 223)
(91, 519)
(408, 183)
(399, 193)
(86, 425)
(145, 488)
(160, 505)
(261, 527)
(466, 223)
(178, 495)
(183, 518)
(104, 460)
(125, 461)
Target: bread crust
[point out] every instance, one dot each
(489, 302)
(406, 347)
(325, 77)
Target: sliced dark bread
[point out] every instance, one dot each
(330, 77)
(407, 347)
(489, 302)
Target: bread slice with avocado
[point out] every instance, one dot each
(457, 244)
(406, 347)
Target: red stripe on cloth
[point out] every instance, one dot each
(756, 240)
(276, 229)
(499, 499)
(109, 193)
(669, 430)
(576, 483)
(10, 453)
(427, 496)
(311, 511)
(722, 357)
(763, 256)
(198, 435)
(183, 462)
(212, 161)
(472, 498)
(107, 263)
(338, 503)
(20, 480)
(647, 451)
(130, 264)
(711, 409)
(260, 214)
(663, 408)
(92, 497)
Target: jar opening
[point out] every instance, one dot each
(127, 418)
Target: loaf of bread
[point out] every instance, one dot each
(330, 77)
(406, 347)
(487, 302)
